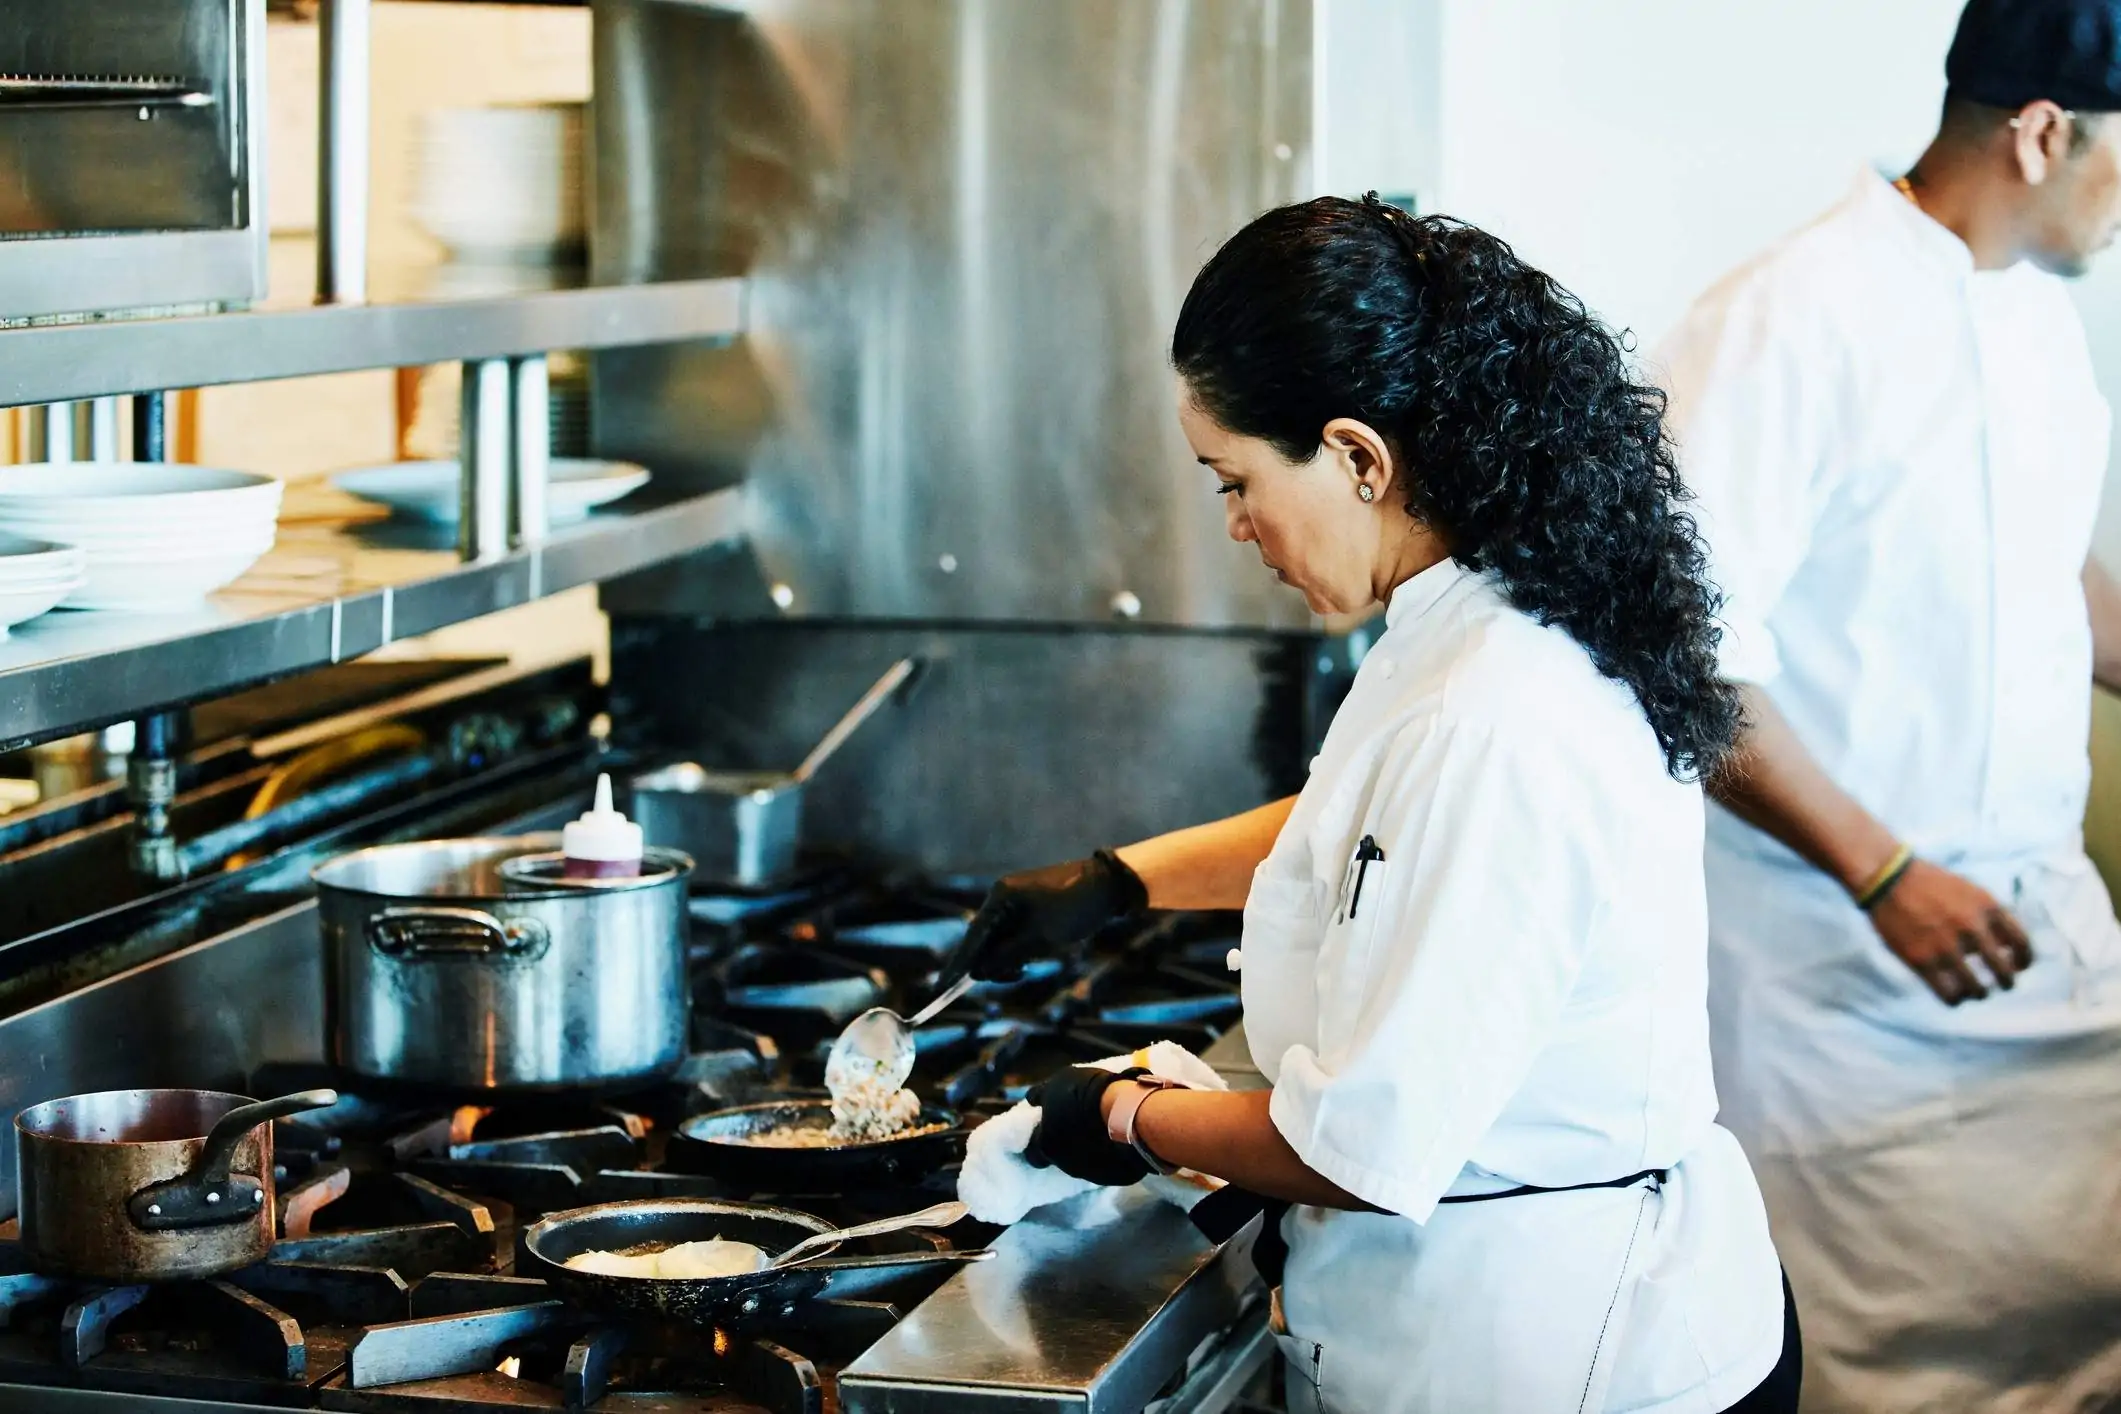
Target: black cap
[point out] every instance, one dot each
(2009, 53)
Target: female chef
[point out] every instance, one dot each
(1474, 946)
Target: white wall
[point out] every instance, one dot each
(1636, 149)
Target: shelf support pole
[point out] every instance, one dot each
(151, 789)
(485, 455)
(49, 433)
(342, 155)
(530, 468)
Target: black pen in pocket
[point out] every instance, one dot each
(1366, 854)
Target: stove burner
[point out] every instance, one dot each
(392, 1289)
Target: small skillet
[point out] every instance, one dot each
(714, 1144)
(745, 1297)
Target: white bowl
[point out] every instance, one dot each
(28, 560)
(21, 605)
(171, 584)
(428, 490)
(135, 493)
(173, 552)
(505, 179)
(180, 539)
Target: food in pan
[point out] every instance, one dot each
(869, 1110)
(682, 1261)
(824, 1136)
(864, 1113)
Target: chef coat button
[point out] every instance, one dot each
(1236, 960)
(1384, 667)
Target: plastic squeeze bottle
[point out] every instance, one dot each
(602, 844)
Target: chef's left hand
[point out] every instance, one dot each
(1071, 1129)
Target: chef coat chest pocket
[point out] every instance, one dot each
(1284, 925)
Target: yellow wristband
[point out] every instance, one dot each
(1888, 875)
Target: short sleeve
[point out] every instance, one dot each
(1432, 1012)
(1752, 414)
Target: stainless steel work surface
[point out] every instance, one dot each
(54, 363)
(1089, 1306)
(321, 597)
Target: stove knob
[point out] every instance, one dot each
(1236, 960)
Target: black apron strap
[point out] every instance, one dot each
(1656, 1176)
(1223, 1214)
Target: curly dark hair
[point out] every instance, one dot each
(1531, 450)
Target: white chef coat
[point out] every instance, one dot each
(1898, 460)
(1515, 996)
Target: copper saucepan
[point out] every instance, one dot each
(149, 1185)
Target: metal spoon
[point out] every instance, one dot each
(878, 1045)
(941, 1215)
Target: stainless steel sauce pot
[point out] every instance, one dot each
(743, 828)
(449, 973)
(149, 1185)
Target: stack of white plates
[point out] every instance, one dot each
(34, 576)
(501, 183)
(430, 490)
(158, 537)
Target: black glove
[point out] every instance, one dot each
(1071, 1129)
(1042, 913)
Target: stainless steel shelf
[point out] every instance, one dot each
(322, 596)
(62, 362)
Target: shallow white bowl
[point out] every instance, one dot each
(170, 584)
(26, 560)
(428, 490)
(173, 553)
(176, 540)
(21, 604)
(134, 493)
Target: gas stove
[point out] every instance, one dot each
(392, 1285)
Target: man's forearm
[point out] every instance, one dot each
(1208, 866)
(2102, 603)
(1774, 784)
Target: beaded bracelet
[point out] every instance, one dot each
(1872, 894)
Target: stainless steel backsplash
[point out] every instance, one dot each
(1014, 746)
(969, 225)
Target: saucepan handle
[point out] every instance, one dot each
(439, 930)
(208, 1194)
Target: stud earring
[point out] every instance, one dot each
(1365, 490)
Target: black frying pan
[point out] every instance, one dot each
(713, 1144)
(739, 1300)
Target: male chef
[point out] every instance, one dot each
(1891, 422)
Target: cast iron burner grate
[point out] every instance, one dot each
(392, 1286)
(271, 1332)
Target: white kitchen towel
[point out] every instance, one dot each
(1000, 1186)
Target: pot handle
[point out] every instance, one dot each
(441, 931)
(208, 1195)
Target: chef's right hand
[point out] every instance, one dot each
(1934, 920)
(1043, 913)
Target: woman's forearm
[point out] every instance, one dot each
(1207, 866)
(1229, 1135)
